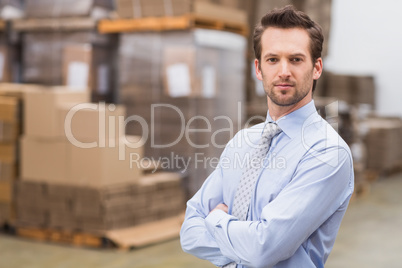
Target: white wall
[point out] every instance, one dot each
(366, 38)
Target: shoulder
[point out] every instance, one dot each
(317, 132)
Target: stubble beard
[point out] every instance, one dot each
(299, 93)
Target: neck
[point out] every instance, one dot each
(277, 111)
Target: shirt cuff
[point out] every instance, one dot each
(214, 219)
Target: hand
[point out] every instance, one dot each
(222, 207)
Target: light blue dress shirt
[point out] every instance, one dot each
(296, 209)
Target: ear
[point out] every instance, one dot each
(257, 70)
(317, 69)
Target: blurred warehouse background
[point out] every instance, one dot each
(114, 112)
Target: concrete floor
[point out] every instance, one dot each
(370, 237)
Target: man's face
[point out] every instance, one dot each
(286, 67)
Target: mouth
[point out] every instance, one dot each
(284, 86)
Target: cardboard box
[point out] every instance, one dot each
(77, 69)
(179, 71)
(42, 119)
(383, 143)
(92, 122)
(10, 119)
(44, 61)
(99, 167)
(17, 90)
(45, 160)
(190, 71)
(8, 152)
(9, 109)
(89, 66)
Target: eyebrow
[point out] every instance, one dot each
(270, 55)
(298, 55)
(292, 55)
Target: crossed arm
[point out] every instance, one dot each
(315, 193)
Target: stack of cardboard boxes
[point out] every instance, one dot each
(349, 88)
(187, 86)
(67, 130)
(98, 209)
(11, 129)
(9, 133)
(384, 145)
(54, 54)
(80, 172)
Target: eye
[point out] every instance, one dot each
(272, 60)
(296, 59)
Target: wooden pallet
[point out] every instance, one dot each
(127, 238)
(169, 24)
(61, 236)
(146, 234)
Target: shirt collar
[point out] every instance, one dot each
(291, 124)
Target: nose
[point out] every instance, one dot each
(284, 71)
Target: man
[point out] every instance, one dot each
(301, 186)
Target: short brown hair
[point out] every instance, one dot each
(286, 18)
